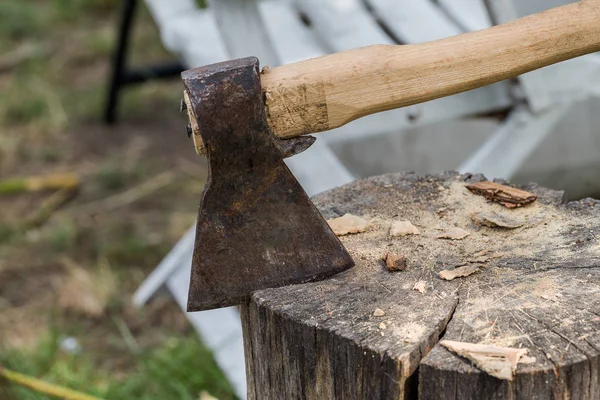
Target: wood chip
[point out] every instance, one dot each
(421, 287)
(499, 362)
(394, 262)
(494, 220)
(507, 196)
(403, 228)
(378, 312)
(348, 224)
(453, 234)
(450, 274)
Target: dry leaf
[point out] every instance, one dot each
(450, 274)
(378, 312)
(403, 228)
(499, 362)
(494, 220)
(421, 287)
(453, 234)
(348, 224)
(509, 197)
(394, 262)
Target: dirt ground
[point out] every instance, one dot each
(70, 260)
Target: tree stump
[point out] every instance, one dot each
(369, 333)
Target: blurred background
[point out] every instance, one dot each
(98, 180)
(71, 256)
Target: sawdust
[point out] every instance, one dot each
(409, 332)
(545, 287)
(546, 229)
(423, 251)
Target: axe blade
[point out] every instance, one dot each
(257, 228)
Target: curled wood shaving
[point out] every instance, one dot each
(450, 274)
(494, 220)
(348, 224)
(508, 196)
(403, 228)
(499, 362)
(453, 234)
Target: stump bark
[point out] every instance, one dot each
(370, 333)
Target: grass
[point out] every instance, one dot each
(73, 275)
(179, 369)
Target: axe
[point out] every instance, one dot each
(257, 228)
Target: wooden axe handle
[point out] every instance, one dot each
(327, 92)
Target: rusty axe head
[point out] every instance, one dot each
(256, 228)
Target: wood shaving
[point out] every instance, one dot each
(403, 228)
(348, 224)
(451, 274)
(499, 362)
(394, 262)
(378, 312)
(508, 196)
(494, 220)
(453, 234)
(421, 287)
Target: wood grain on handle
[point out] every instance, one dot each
(330, 91)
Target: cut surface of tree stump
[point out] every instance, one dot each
(372, 333)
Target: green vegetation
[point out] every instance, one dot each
(73, 273)
(180, 369)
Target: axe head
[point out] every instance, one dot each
(256, 227)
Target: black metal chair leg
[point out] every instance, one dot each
(119, 60)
